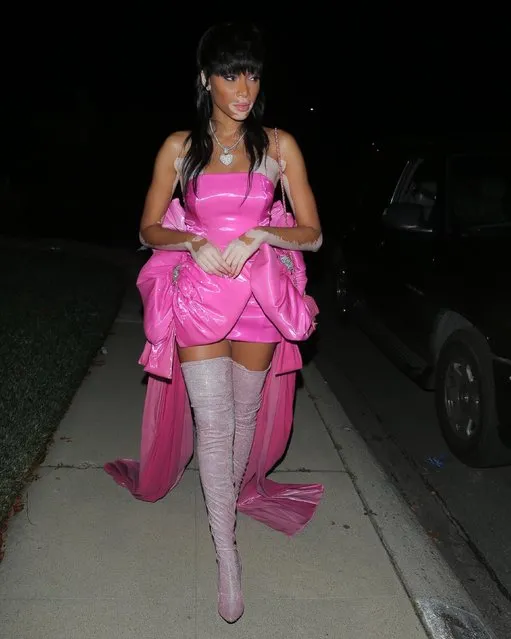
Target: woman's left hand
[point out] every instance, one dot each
(241, 249)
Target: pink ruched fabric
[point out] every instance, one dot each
(184, 305)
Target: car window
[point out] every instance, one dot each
(378, 179)
(421, 185)
(479, 190)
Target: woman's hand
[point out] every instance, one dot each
(208, 257)
(241, 249)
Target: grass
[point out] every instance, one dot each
(56, 309)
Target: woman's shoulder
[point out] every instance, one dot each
(285, 140)
(281, 133)
(176, 144)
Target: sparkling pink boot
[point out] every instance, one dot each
(247, 401)
(210, 389)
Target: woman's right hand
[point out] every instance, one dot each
(208, 257)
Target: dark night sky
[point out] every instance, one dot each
(90, 98)
(366, 68)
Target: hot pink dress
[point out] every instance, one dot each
(185, 305)
(223, 209)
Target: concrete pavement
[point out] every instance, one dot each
(85, 560)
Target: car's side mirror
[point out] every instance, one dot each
(404, 216)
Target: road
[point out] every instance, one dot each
(465, 510)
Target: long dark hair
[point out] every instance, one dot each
(226, 49)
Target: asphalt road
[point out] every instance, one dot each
(465, 510)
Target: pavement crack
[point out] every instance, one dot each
(80, 466)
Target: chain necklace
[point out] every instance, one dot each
(226, 156)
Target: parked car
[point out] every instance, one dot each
(426, 268)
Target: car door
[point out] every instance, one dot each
(408, 256)
(473, 269)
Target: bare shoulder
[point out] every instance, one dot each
(174, 146)
(288, 145)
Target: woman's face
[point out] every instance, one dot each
(234, 95)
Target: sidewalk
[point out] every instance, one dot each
(85, 560)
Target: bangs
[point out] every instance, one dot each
(234, 64)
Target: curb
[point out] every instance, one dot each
(442, 604)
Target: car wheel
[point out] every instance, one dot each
(465, 400)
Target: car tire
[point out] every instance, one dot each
(465, 401)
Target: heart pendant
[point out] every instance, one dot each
(226, 158)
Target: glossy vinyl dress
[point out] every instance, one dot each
(185, 305)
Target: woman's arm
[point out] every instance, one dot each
(163, 184)
(307, 235)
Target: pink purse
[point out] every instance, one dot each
(290, 308)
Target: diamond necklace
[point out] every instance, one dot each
(226, 156)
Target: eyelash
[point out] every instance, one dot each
(254, 78)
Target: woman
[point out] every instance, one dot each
(216, 287)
